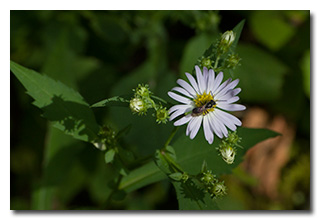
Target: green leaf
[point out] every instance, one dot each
(261, 74)
(142, 176)
(114, 101)
(176, 176)
(190, 155)
(271, 28)
(194, 49)
(108, 157)
(60, 104)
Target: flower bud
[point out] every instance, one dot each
(232, 61)
(137, 106)
(228, 154)
(226, 40)
(162, 115)
(208, 178)
(218, 190)
(142, 91)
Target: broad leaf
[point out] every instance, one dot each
(60, 104)
(191, 154)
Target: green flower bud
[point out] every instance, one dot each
(137, 105)
(208, 178)
(142, 91)
(218, 190)
(232, 61)
(162, 115)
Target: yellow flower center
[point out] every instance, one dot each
(202, 100)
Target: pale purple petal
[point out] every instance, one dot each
(210, 79)
(176, 114)
(176, 107)
(220, 124)
(231, 93)
(193, 82)
(230, 107)
(179, 98)
(233, 99)
(227, 88)
(195, 127)
(212, 122)
(200, 79)
(216, 82)
(183, 120)
(205, 77)
(221, 87)
(230, 117)
(182, 91)
(187, 87)
(226, 119)
(207, 130)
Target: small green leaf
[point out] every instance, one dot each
(114, 101)
(176, 176)
(108, 157)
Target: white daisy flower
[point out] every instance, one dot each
(205, 101)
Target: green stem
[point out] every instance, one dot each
(216, 63)
(174, 131)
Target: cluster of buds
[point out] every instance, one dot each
(212, 185)
(142, 101)
(228, 147)
(205, 62)
(232, 61)
(106, 138)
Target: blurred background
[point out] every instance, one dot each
(107, 53)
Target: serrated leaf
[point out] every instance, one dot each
(114, 101)
(61, 105)
(191, 196)
(109, 155)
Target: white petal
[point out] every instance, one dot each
(216, 82)
(221, 87)
(230, 117)
(195, 127)
(227, 88)
(179, 98)
(220, 124)
(176, 114)
(187, 87)
(182, 91)
(231, 93)
(205, 77)
(230, 107)
(190, 126)
(226, 119)
(233, 99)
(210, 79)
(193, 82)
(212, 122)
(176, 107)
(200, 79)
(207, 130)
(183, 120)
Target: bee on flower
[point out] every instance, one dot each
(206, 101)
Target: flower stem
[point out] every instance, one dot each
(174, 131)
(216, 63)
